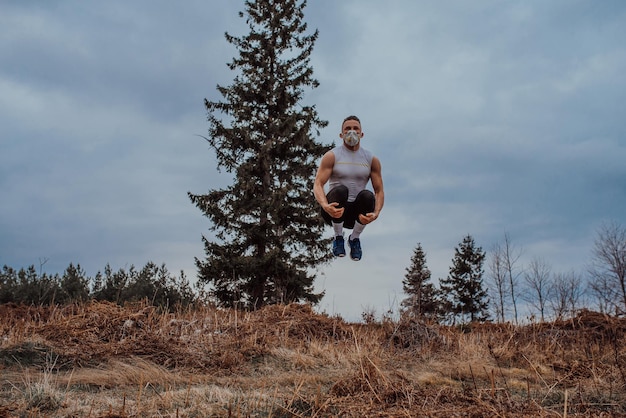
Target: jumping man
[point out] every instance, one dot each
(347, 168)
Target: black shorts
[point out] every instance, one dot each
(364, 203)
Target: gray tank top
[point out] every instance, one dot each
(351, 169)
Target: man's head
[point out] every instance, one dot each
(351, 123)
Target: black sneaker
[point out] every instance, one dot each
(339, 248)
(355, 249)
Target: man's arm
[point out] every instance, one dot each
(321, 178)
(376, 177)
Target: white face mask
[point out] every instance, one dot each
(351, 138)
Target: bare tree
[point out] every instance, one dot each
(505, 273)
(538, 280)
(608, 268)
(499, 284)
(511, 257)
(567, 294)
(576, 299)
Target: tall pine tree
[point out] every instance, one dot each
(422, 299)
(463, 288)
(267, 222)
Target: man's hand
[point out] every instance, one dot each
(367, 218)
(333, 210)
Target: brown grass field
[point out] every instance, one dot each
(102, 360)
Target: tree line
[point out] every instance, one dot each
(152, 284)
(469, 294)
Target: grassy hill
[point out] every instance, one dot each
(102, 360)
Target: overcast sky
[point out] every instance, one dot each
(488, 116)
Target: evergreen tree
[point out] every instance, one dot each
(157, 286)
(422, 300)
(110, 287)
(267, 222)
(463, 288)
(34, 288)
(8, 284)
(142, 285)
(74, 285)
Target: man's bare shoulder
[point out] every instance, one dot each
(376, 166)
(329, 157)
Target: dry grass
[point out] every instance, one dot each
(101, 360)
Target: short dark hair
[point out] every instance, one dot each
(351, 117)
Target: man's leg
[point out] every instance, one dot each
(365, 203)
(338, 195)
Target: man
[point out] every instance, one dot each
(347, 168)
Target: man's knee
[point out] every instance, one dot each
(365, 201)
(338, 194)
(366, 195)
